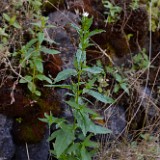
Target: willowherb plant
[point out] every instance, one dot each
(31, 58)
(72, 140)
(28, 54)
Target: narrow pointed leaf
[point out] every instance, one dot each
(98, 129)
(96, 31)
(49, 51)
(65, 74)
(94, 70)
(98, 96)
(63, 140)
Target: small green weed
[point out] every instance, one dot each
(134, 4)
(112, 13)
(153, 8)
(141, 61)
(121, 81)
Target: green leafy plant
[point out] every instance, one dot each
(72, 140)
(29, 54)
(31, 58)
(134, 4)
(113, 11)
(121, 81)
(11, 20)
(141, 61)
(153, 8)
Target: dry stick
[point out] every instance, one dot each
(12, 92)
(103, 51)
(27, 151)
(16, 73)
(15, 83)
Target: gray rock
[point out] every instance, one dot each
(64, 35)
(116, 119)
(147, 100)
(7, 147)
(39, 151)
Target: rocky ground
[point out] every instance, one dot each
(130, 116)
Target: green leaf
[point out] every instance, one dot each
(16, 25)
(65, 74)
(110, 69)
(79, 57)
(50, 119)
(31, 87)
(76, 27)
(94, 70)
(90, 83)
(49, 51)
(43, 78)
(43, 120)
(3, 33)
(86, 142)
(60, 86)
(83, 121)
(118, 77)
(39, 65)
(96, 31)
(98, 129)
(26, 79)
(38, 93)
(73, 104)
(73, 148)
(37, 3)
(92, 144)
(6, 17)
(30, 43)
(38, 24)
(12, 20)
(85, 154)
(98, 96)
(40, 37)
(125, 87)
(62, 142)
(90, 111)
(116, 88)
(54, 135)
(86, 23)
(50, 41)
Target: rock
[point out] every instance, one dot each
(38, 151)
(116, 119)
(148, 102)
(64, 35)
(7, 147)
